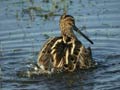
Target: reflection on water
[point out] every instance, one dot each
(26, 24)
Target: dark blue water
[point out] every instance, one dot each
(26, 24)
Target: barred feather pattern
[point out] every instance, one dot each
(59, 56)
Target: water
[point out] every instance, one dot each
(26, 24)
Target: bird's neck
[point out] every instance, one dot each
(68, 35)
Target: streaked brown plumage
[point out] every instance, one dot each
(65, 53)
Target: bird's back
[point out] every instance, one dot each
(59, 56)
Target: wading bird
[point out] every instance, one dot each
(65, 53)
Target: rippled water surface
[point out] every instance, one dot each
(26, 24)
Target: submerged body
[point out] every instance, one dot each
(65, 53)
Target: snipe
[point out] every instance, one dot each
(65, 53)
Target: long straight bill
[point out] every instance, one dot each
(77, 30)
